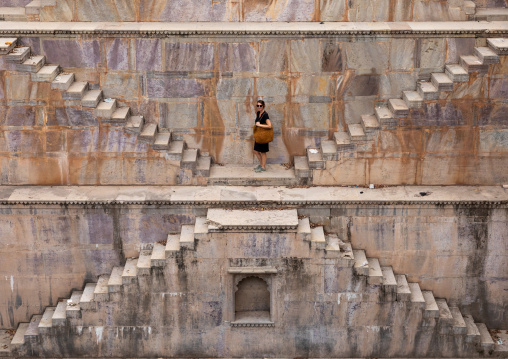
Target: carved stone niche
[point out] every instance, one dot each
(252, 297)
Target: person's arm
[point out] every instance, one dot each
(268, 124)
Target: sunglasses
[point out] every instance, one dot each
(259, 105)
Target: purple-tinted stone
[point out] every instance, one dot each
(118, 54)
(498, 88)
(433, 114)
(148, 55)
(237, 57)
(457, 47)
(101, 261)
(70, 116)
(189, 57)
(493, 115)
(13, 3)
(72, 53)
(82, 141)
(97, 228)
(164, 87)
(20, 116)
(116, 141)
(33, 42)
(192, 10)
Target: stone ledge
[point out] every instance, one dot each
(128, 29)
(249, 196)
(252, 270)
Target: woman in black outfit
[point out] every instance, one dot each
(260, 150)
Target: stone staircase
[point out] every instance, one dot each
(83, 308)
(361, 136)
(29, 11)
(107, 111)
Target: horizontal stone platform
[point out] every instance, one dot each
(255, 28)
(275, 175)
(244, 220)
(210, 195)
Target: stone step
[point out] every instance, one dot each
(63, 81)
(18, 55)
(73, 309)
(158, 258)
(459, 325)
(317, 238)
(19, 337)
(87, 301)
(498, 45)
(162, 140)
(375, 273)
(148, 133)
(441, 81)
(105, 109)
(203, 166)
(46, 322)
(428, 91)
(175, 150)
(33, 64)
(13, 13)
(329, 150)
(472, 63)
(303, 229)
(115, 280)
(130, 271)
(389, 284)
(234, 175)
(120, 116)
(472, 332)
(32, 332)
(369, 123)
(445, 316)
(5, 344)
(302, 169)
(398, 107)
(486, 55)
(315, 158)
(101, 291)
(431, 308)
(172, 244)
(134, 124)
(238, 220)
(91, 98)
(403, 291)
(343, 142)
(417, 299)
(189, 158)
(457, 73)
(333, 245)
(144, 264)
(385, 116)
(7, 44)
(46, 74)
(200, 228)
(485, 338)
(76, 91)
(361, 265)
(187, 236)
(59, 318)
(491, 14)
(413, 99)
(356, 133)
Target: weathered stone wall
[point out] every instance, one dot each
(457, 251)
(205, 91)
(254, 10)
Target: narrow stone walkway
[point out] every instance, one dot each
(275, 175)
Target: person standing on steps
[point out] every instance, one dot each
(260, 150)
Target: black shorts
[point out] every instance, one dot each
(261, 147)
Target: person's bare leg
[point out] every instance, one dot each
(263, 160)
(258, 155)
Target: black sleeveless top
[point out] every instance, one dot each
(262, 120)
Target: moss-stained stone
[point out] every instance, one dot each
(72, 53)
(117, 54)
(148, 55)
(305, 56)
(178, 115)
(237, 57)
(273, 56)
(189, 57)
(367, 57)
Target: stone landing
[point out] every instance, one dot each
(275, 175)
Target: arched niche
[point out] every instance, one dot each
(252, 299)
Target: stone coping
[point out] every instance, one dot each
(221, 219)
(150, 29)
(242, 195)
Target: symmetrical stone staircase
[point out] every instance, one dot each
(78, 311)
(360, 136)
(106, 110)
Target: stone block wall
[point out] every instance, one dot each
(205, 92)
(457, 251)
(254, 10)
